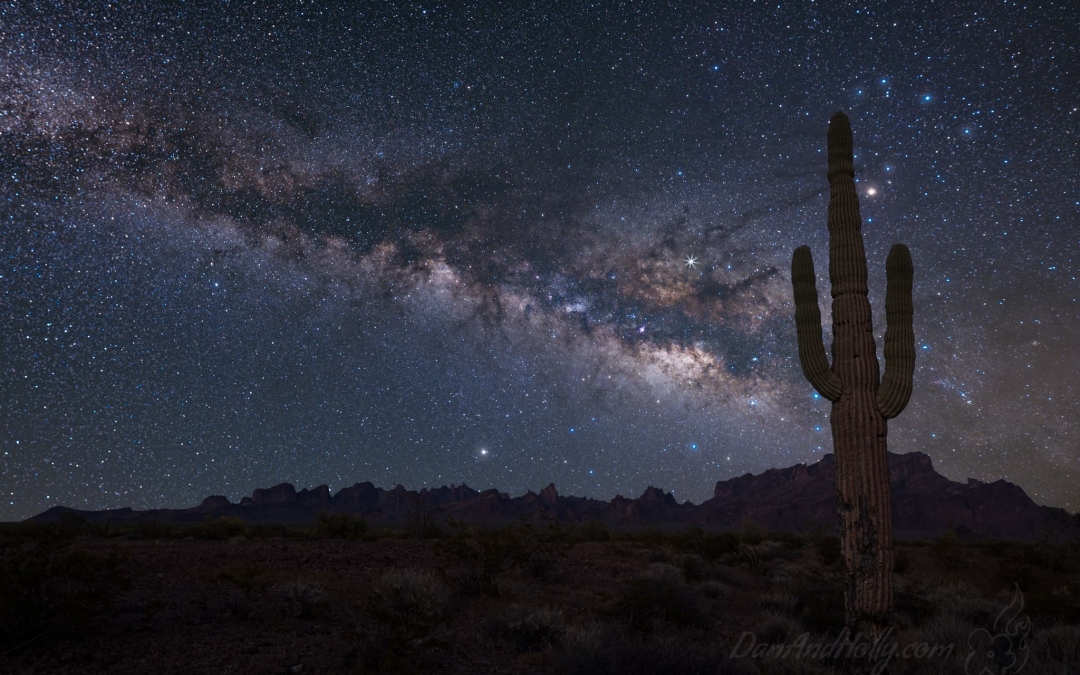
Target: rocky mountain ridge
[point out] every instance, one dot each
(796, 498)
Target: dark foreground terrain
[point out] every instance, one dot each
(337, 597)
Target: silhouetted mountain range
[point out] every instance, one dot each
(797, 498)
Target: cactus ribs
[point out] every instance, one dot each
(860, 403)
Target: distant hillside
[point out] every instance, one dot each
(796, 498)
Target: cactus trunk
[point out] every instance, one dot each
(860, 406)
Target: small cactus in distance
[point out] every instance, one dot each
(860, 403)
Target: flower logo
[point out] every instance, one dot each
(1004, 651)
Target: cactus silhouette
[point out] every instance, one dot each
(860, 404)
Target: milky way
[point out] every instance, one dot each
(442, 244)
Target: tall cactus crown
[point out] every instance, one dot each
(847, 273)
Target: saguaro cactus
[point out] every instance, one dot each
(861, 405)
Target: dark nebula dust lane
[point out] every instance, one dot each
(514, 245)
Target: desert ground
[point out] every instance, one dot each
(344, 596)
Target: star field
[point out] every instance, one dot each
(514, 245)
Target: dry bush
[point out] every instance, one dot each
(780, 601)
(412, 597)
(527, 628)
(301, 599)
(715, 589)
(777, 627)
(660, 595)
(340, 525)
(1056, 647)
(948, 551)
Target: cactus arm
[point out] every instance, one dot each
(895, 389)
(815, 364)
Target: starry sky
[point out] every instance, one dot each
(514, 244)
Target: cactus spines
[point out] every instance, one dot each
(860, 407)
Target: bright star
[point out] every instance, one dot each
(691, 261)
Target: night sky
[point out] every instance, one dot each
(521, 244)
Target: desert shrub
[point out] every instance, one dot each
(421, 518)
(590, 530)
(664, 572)
(267, 531)
(996, 548)
(651, 537)
(222, 527)
(792, 541)
(945, 630)
(901, 561)
(912, 608)
(528, 629)
(1059, 558)
(777, 627)
(947, 550)
(607, 650)
(301, 598)
(1050, 604)
(714, 546)
(250, 576)
(752, 533)
(715, 589)
(820, 605)
(238, 603)
(693, 568)
(46, 586)
(480, 554)
(828, 548)
(340, 525)
(542, 564)
(1009, 574)
(1056, 646)
(709, 546)
(411, 597)
(757, 558)
(383, 651)
(151, 531)
(780, 601)
(660, 595)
